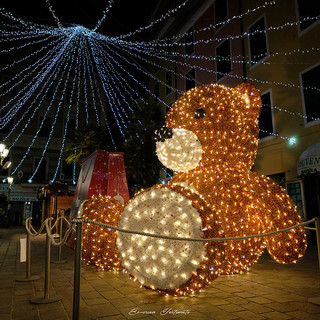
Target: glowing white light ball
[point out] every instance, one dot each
(160, 263)
(182, 152)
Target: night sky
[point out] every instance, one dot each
(124, 16)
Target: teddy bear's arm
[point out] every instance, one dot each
(279, 212)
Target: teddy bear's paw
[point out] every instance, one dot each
(287, 247)
(98, 243)
(170, 266)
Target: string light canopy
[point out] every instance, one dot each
(217, 193)
(93, 75)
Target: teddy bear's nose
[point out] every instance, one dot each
(163, 134)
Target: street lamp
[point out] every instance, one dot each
(10, 182)
(9, 213)
(3, 154)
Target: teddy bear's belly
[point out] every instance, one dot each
(232, 197)
(160, 263)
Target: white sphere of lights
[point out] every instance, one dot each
(182, 152)
(161, 263)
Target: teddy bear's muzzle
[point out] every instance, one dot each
(163, 134)
(182, 151)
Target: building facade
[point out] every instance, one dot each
(283, 60)
(273, 45)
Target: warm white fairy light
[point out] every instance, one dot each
(182, 152)
(156, 211)
(170, 266)
(98, 244)
(242, 202)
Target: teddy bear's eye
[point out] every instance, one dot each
(199, 113)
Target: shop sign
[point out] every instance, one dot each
(308, 165)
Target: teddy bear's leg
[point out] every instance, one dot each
(241, 220)
(279, 212)
(170, 266)
(99, 243)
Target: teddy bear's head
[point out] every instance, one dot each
(211, 126)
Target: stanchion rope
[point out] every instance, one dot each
(66, 235)
(190, 239)
(147, 234)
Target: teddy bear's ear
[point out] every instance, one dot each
(251, 96)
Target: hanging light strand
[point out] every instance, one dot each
(54, 14)
(104, 15)
(163, 17)
(43, 92)
(57, 112)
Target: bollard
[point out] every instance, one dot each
(28, 262)
(47, 298)
(77, 266)
(60, 247)
(316, 300)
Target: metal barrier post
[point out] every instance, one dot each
(77, 270)
(28, 260)
(60, 247)
(317, 223)
(46, 298)
(316, 300)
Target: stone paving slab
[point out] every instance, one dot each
(268, 291)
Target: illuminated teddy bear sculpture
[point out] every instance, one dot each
(210, 141)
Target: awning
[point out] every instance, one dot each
(309, 161)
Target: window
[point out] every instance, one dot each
(265, 118)
(310, 81)
(295, 191)
(71, 128)
(66, 171)
(156, 91)
(306, 9)
(70, 94)
(13, 90)
(46, 127)
(156, 64)
(189, 42)
(41, 174)
(257, 41)
(7, 128)
(49, 93)
(220, 13)
(190, 81)
(223, 62)
(168, 81)
(169, 45)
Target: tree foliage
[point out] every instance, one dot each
(138, 145)
(142, 164)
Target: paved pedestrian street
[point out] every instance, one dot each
(268, 291)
